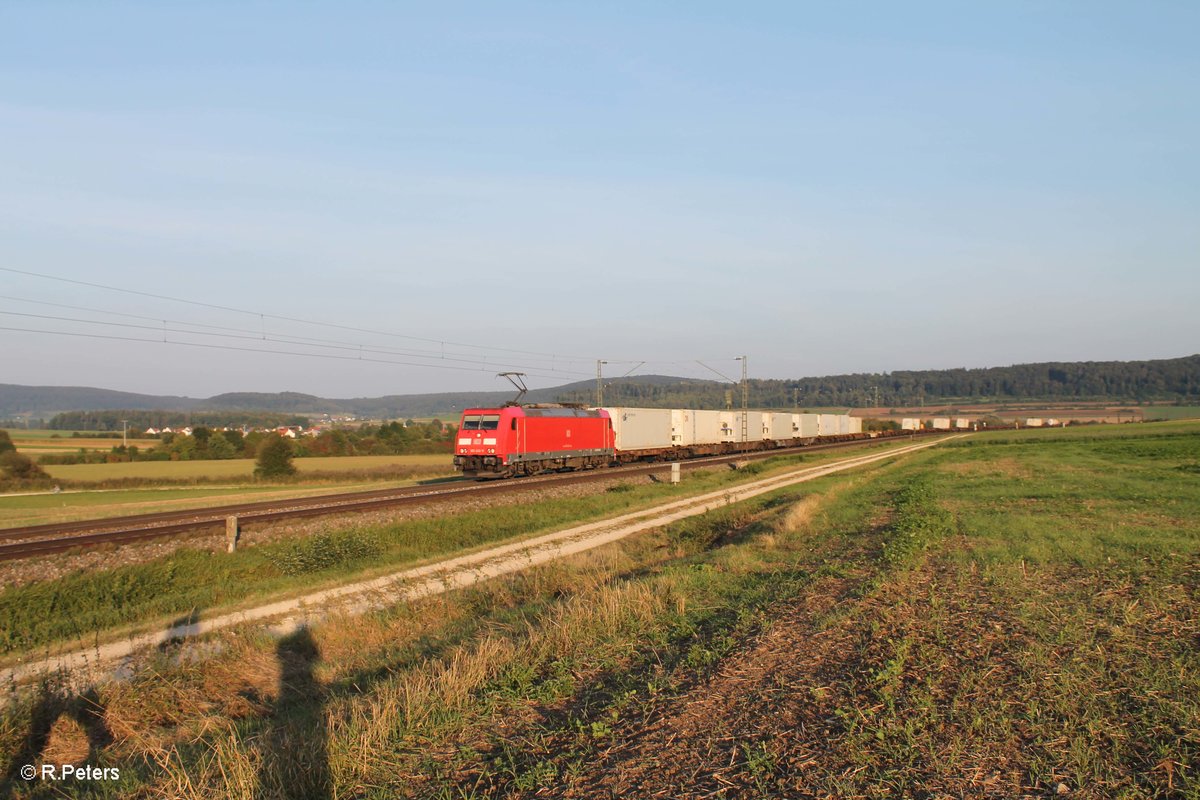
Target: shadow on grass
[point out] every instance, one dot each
(295, 761)
(181, 629)
(50, 706)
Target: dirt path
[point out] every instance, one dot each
(116, 658)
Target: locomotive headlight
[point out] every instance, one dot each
(491, 449)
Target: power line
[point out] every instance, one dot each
(244, 333)
(261, 350)
(264, 315)
(230, 332)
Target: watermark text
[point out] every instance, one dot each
(70, 772)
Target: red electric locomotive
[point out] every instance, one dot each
(524, 440)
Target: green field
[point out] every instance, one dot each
(1144, 431)
(1172, 412)
(1008, 615)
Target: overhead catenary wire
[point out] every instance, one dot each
(264, 315)
(211, 346)
(715, 372)
(255, 336)
(258, 332)
(430, 358)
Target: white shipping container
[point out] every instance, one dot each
(910, 424)
(731, 425)
(1033, 422)
(757, 426)
(962, 422)
(843, 424)
(767, 421)
(941, 423)
(781, 426)
(855, 425)
(827, 425)
(641, 428)
(708, 427)
(809, 425)
(683, 426)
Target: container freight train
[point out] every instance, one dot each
(525, 440)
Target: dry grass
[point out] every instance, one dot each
(800, 515)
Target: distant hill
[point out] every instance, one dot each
(48, 400)
(1176, 379)
(1172, 380)
(290, 402)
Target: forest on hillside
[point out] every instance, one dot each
(1176, 379)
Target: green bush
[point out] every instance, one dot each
(326, 550)
(274, 458)
(19, 467)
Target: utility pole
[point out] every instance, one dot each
(599, 383)
(125, 433)
(745, 401)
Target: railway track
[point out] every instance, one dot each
(37, 540)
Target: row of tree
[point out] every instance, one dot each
(1176, 379)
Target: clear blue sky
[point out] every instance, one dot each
(826, 188)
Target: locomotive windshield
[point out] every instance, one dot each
(480, 422)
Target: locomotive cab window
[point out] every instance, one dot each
(471, 423)
(489, 422)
